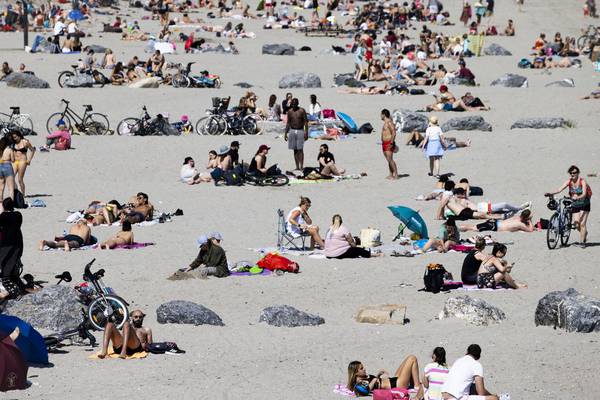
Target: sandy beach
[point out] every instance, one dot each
(249, 360)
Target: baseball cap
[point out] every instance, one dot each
(263, 147)
(215, 235)
(235, 143)
(202, 239)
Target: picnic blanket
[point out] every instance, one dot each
(316, 253)
(296, 181)
(134, 245)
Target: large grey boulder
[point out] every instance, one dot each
(569, 310)
(283, 315)
(346, 80)
(474, 311)
(408, 121)
(54, 308)
(186, 312)
(470, 123)
(300, 80)
(541, 123)
(96, 47)
(283, 49)
(511, 80)
(496, 50)
(27, 81)
(567, 82)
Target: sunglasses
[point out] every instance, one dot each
(137, 317)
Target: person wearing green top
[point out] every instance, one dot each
(211, 259)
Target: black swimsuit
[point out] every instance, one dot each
(128, 351)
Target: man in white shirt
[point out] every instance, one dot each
(464, 372)
(60, 27)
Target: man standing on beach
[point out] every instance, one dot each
(296, 132)
(388, 143)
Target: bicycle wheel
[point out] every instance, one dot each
(24, 122)
(217, 83)
(216, 125)
(52, 122)
(63, 77)
(249, 125)
(553, 232)
(129, 126)
(566, 228)
(100, 311)
(179, 80)
(276, 180)
(96, 124)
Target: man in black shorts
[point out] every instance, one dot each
(296, 132)
(134, 338)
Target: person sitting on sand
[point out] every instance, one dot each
(447, 237)
(465, 373)
(299, 223)
(510, 28)
(157, 61)
(103, 213)
(472, 262)
(340, 244)
(517, 223)
(211, 259)
(190, 175)
(258, 165)
(327, 166)
(224, 158)
(435, 374)
(139, 209)
(117, 76)
(494, 270)
(133, 339)
(79, 235)
(60, 139)
(363, 384)
(123, 237)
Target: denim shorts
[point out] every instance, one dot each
(6, 169)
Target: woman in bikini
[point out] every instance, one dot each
(406, 376)
(7, 175)
(581, 193)
(23, 151)
(495, 270)
(123, 237)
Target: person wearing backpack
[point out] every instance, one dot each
(581, 194)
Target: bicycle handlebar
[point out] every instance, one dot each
(65, 101)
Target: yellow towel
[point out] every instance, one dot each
(112, 354)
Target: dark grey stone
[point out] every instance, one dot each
(283, 315)
(300, 80)
(567, 82)
(96, 47)
(510, 80)
(186, 312)
(282, 49)
(460, 81)
(347, 80)
(243, 85)
(407, 121)
(54, 308)
(474, 311)
(540, 123)
(20, 80)
(496, 50)
(470, 123)
(569, 310)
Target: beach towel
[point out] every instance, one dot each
(263, 273)
(112, 354)
(341, 389)
(135, 245)
(37, 203)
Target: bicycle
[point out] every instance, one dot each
(97, 77)
(183, 78)
(590, 35)
(273, 177)
(144, 126)
(21, 121)
(559, 226)
(220, 121)
(91, 123)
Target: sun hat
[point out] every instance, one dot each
(185, 118)
(433, 120)
(215, 235)
(223, 150)
(202, 239)
(263, 147)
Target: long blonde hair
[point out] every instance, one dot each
(353, 368)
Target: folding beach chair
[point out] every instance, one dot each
(287, 240)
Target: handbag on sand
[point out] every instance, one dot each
(370, 237)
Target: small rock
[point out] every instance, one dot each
(28, 81)
(305, 48)
(186, 312)
(382, 314)
(496, 50)
(407, 121)
(54, 308)
(541, 123)
(567, 82)
(283, 49)
(300, 80)
(474, 311)
(243, 85)
(569, 310)
(283, 315)
(97, 48)
(510, 80)
(470, 123)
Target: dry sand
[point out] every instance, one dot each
(248, 360)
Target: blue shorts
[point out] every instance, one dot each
(6, 169)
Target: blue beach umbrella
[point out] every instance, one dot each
(30, 342)
(411, 219)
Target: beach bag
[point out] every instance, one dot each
(274, 261)
(328, 113)
(390, 394)
(233, 178)
(417, 91)
(164, 347)
(433, 279)
(524, 63)
(19, 200)
(370, 237)
(62, 144)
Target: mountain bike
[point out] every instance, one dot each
(97, 78)
(559, 227)
(21, 121)
(273, 177)
(144, 126)
(91, 123)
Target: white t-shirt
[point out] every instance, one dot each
(187, 173)
(461, 376)
(314, 110)
(72, 28)
(433, 132)
(59, 27)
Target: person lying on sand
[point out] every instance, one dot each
(594, 95)
(363, 384)
(103, 213)
(211, 259)
(138, 210)
(466, 103)
(123, 237)
(366, 90)
(416, 138)
(463, 209)
(517, 223)
(79, 235)
(133, 339)
(494, 270)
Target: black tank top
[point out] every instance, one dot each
(469, 268)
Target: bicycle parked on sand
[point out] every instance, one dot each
(590, 35)
(97, 78)
(184, 79)
(220, 120)
(91, 123)
(146, 125)
(559, 226)
(22, 122)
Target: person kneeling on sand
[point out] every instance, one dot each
(123, 237)
(363, 384)
(79, 236)
(299, 223)
(466, 371)
(211, 259)
(133, 339)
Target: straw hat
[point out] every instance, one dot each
(433, 120)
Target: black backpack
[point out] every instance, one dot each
(233, 178)
(19, 200)
(434, 277)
